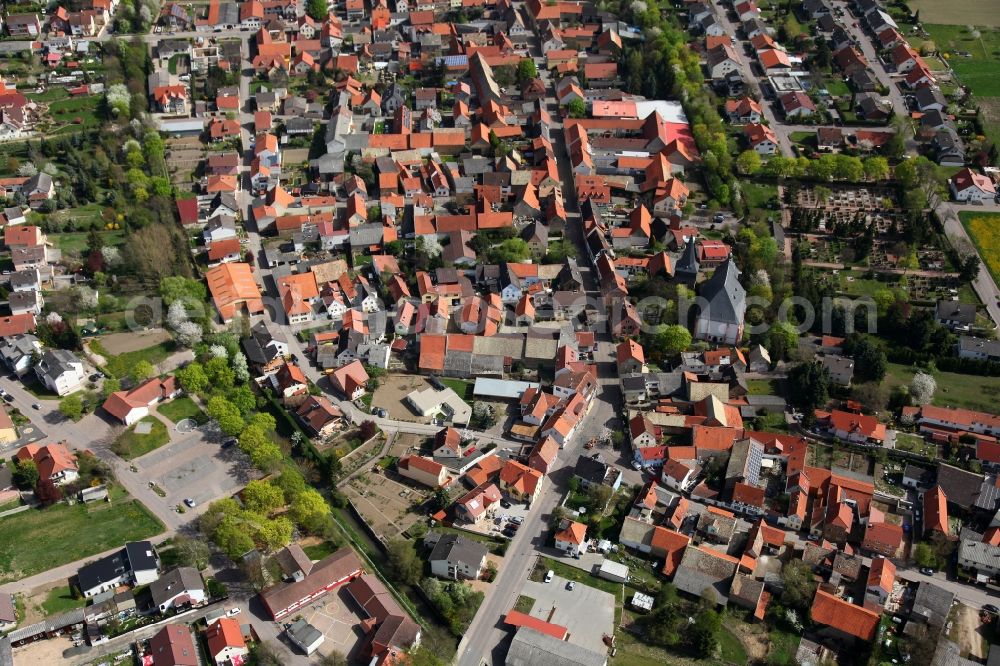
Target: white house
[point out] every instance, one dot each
(677, 476)
(455, 558)
(179, 587)
(60, 371)
(967, 185)
(572, 539)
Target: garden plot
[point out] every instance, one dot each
(389, 506)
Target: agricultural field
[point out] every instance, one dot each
(953, 389)
(981, 71)
(984, 230)
(958, 12)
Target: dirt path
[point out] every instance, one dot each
(966, 632)
(121, 343)
(754, 640)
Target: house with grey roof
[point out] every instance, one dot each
(177, 588)
(454, 557)
(18, 351)
(704, 571)
(533, 648)
(720, 318)
(61, 371)
(931, 605)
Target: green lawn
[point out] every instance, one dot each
(906, 441)
(318, 551)
(120, 365)
(732, 649)
(41, 539)
(131, 445)
(459, 386)
(784, 645)
(62, 599)
(981, 72)
(524, 604)
(182, 408)
(763, 387)
(759, 195)
(953, 389)
(836, 86)
(77, 241)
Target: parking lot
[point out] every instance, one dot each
(587, 612)
(334, 616)
(194, 466)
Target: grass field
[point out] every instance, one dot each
(953, 389)
(120, 365)
(906, 441)
(132, 445)
(62, 599)
(41, 539)
(957, 12)
(984, 230)
(77, 241)
(182, 408)
(759, 195)
(459, 386)
(981, 72)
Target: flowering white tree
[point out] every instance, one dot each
(922, 388)
(111, 255)
(27, 170)
(218, 351)
(188, 334)
(241, 371)
(119, 99)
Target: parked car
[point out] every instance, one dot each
(927, 571)
(549, 575)
(570, 585)
(35, 405)
(189, 502)
(234, 611)
(509, 533)
(517, 520)
(505, 504)
(229, 441)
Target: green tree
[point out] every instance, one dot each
(876, 168)
(317, 9)
(25, 474)
(809, 385)
(310, 511)
(748, 163)
(220, 375)
(577, 108)
(799, 586)
(870, 363)
(924, 555)
(71, 407)
(672, 339)
(291, 483)
(228, 416)
(526, 70)
(193, 378)
(261, 496)
(404, 564)
(705, 632)
(142, 371)
(191, 552)
(781, 339)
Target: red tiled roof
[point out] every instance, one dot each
(853, 620)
